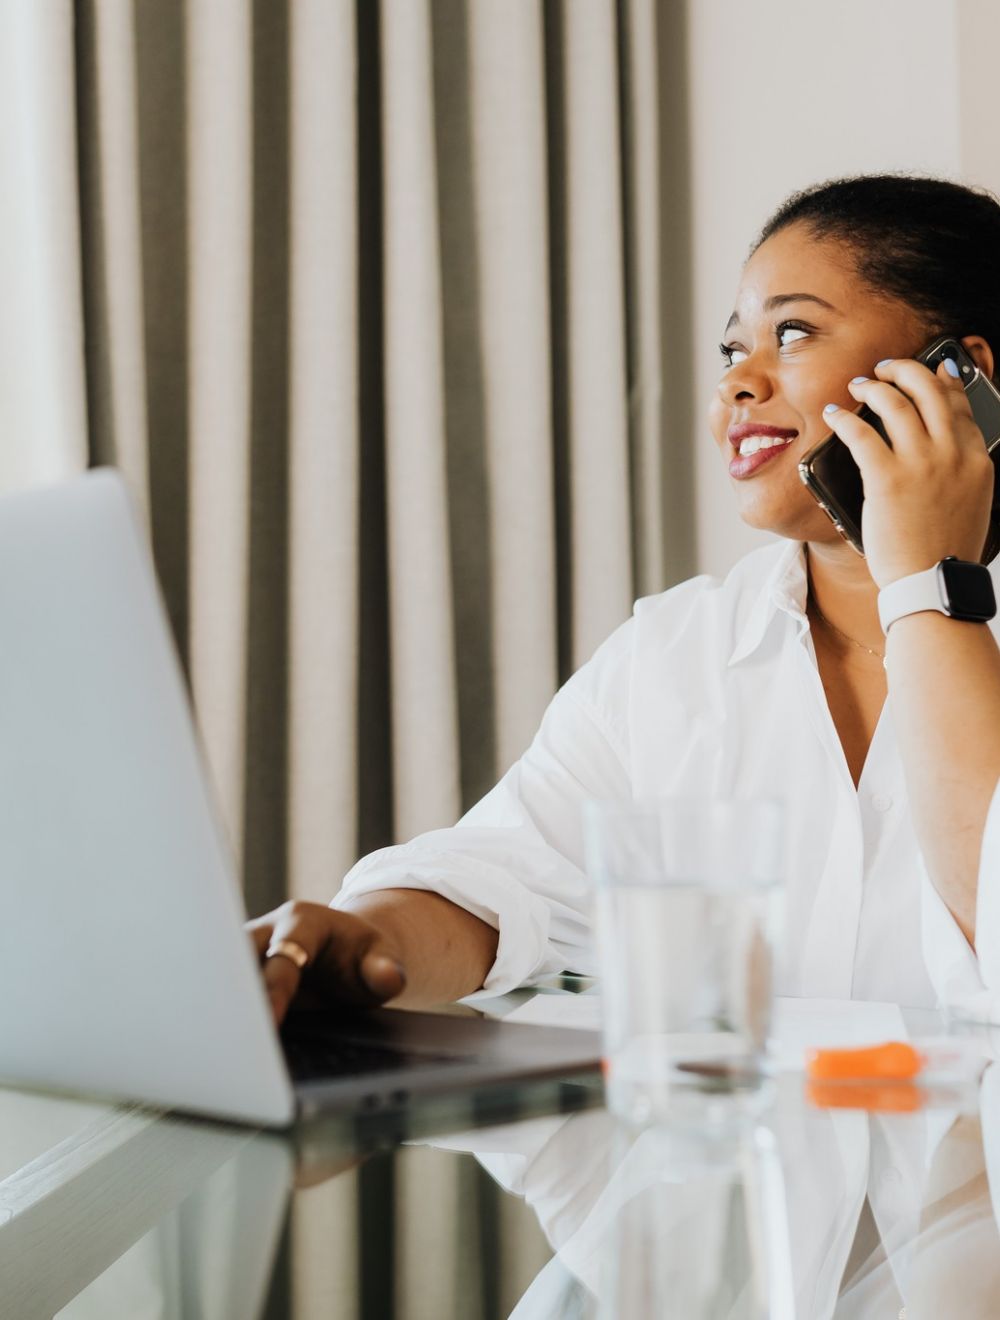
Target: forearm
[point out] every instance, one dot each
(944, 691)
(445, 951)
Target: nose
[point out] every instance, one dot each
(746, 382)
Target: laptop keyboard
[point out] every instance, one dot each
(325, 1057)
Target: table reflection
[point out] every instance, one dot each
(808, 1212)
(129, 1213)
(109, 1211)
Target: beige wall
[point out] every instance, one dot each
(782, 95)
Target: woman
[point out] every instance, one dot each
(772, 681)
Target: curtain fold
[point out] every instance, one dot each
(421, 649)
(219, 149)
(108, 135)
(324, 443)
(509, 214)
(644, 294)
(43, 410)
(364, 299)
(600, 539)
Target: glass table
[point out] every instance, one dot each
(534, 1202)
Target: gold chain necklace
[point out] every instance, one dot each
(840, 633)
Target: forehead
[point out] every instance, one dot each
(795, 260)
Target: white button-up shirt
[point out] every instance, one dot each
(710, 689)
(978, 996)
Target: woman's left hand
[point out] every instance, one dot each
(930, 494)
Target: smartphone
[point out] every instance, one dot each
(834, 479)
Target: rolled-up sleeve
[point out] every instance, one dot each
(968, 981)
(516, 859)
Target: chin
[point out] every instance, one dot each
(788, 518)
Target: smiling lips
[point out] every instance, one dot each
(755, 445)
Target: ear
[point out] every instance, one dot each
(981, 352)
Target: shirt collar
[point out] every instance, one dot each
(783, 591)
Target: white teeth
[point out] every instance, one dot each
(754, 442)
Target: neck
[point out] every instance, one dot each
(843, 589)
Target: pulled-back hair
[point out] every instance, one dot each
(932, 244)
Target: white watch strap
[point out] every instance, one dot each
(910, 595)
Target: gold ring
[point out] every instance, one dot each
(288, 949)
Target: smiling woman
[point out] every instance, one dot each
(844, 275)
(773, 680)
(805, 323)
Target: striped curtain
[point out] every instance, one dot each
(364, 298)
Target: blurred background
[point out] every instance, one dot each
(400, 317)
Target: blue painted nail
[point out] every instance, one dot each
(884, 363)
(831, 408)
(951, 366)
(858, 380)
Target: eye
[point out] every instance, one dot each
(789, 332)
(732, 353)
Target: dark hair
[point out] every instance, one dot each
(932, 244)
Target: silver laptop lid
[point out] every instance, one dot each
(124, 970)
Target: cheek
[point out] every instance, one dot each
(807, 400)
(818, 388)
(718, 421)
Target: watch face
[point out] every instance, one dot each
(966, 590)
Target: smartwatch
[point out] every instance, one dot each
(955, 587)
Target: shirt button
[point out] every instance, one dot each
(881, 801)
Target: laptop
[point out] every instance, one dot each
(124, 968)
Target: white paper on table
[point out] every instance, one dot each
(798, 1024)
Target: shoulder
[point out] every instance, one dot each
(707, 601)
(699, 618)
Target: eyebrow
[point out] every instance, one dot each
(780, 299)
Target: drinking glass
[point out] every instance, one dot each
(702, 1231)
(687, 914)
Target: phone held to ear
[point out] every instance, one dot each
(834, 479)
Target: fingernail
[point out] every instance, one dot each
(376, 968)
(831, 408)
(886, 362)
(951, 366)
(858, 380)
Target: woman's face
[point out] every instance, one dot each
(804, 324)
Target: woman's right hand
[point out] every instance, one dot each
(928, 495)
(350, 961)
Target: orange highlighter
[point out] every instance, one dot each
(892, 1076)
(895, 1061)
